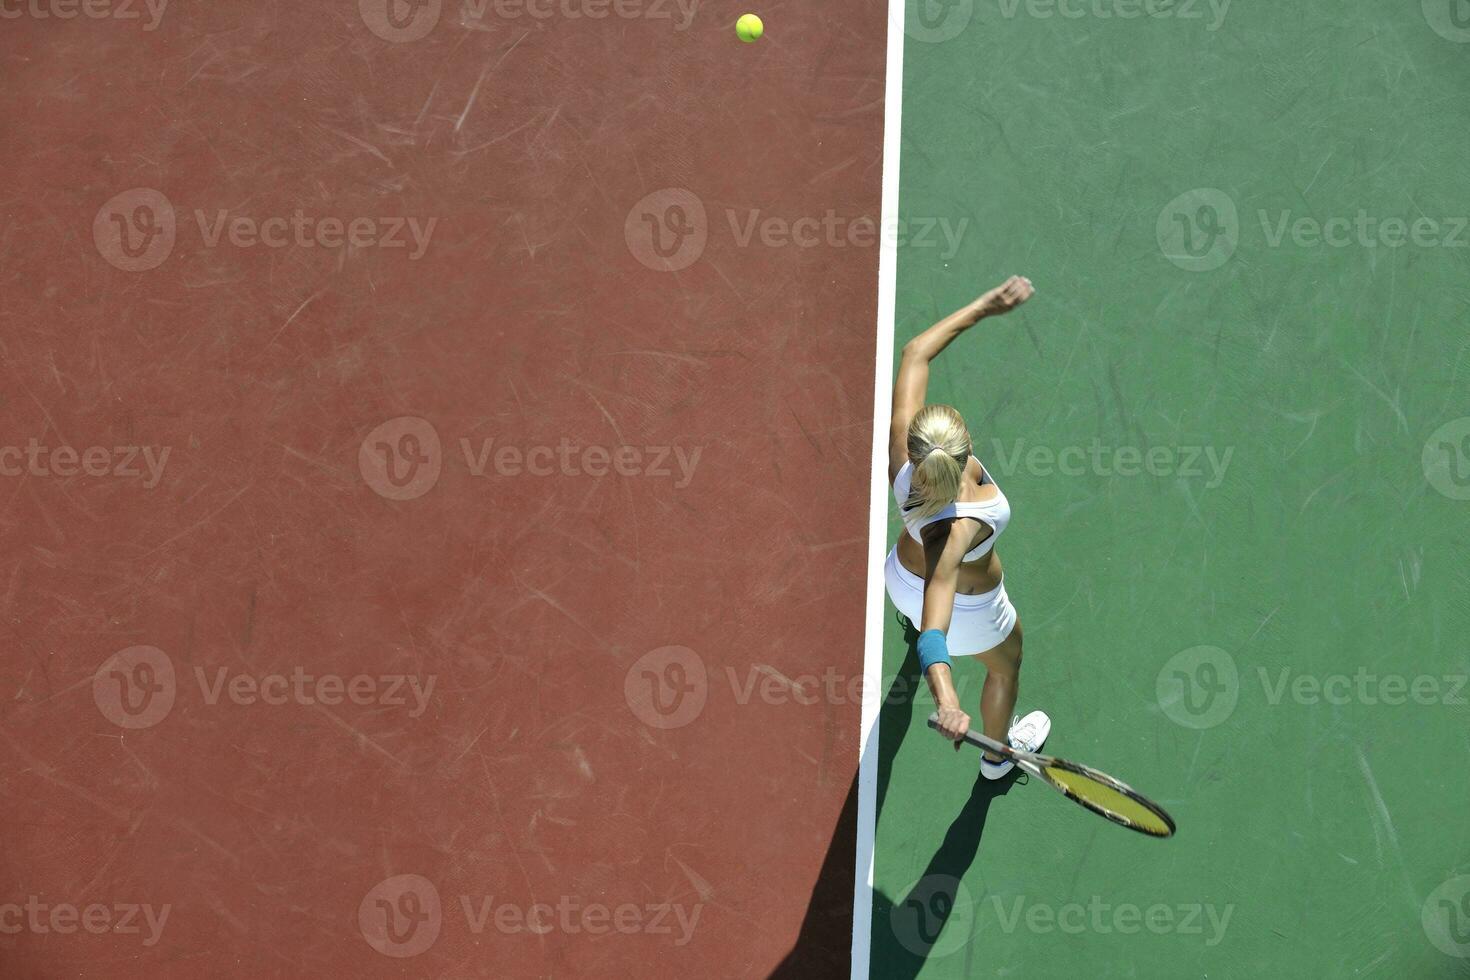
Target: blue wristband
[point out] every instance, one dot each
(933, 649)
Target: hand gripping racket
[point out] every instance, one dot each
(1109, 798)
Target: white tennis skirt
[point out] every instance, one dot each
(979, 623)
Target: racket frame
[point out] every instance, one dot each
(1036, 764)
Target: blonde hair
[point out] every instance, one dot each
(939, 448)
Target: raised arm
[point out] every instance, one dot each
(913, 367)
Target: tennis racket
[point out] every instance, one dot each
(1105, 796)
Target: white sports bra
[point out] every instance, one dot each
(994, 513)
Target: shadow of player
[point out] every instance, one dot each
(936, 916)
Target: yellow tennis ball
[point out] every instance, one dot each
(749, 28)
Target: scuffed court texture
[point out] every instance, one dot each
(513, 494)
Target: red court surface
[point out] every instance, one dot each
(407, 571)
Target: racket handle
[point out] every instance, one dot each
(975, 738)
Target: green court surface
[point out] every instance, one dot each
(1234, 426)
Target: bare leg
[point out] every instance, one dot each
(1002, 684)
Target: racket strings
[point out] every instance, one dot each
(1110, 798)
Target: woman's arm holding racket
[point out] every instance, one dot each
(945, 544)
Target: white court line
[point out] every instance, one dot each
(862, 891)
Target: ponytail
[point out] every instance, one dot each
(939, 448)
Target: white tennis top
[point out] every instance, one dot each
(994, 513)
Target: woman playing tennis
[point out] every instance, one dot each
(944, 574)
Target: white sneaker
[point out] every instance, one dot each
(1028, 734)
